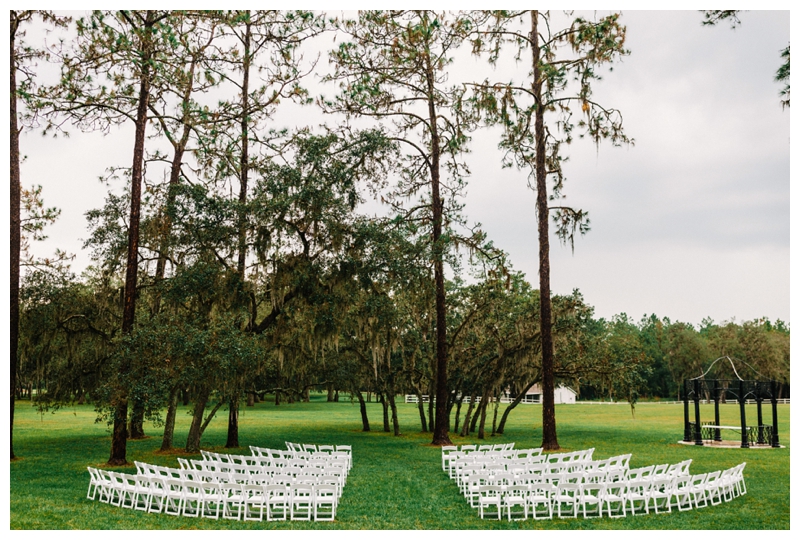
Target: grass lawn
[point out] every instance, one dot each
(396, 482)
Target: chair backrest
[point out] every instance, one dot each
(542, 489)
(592, 489)
(639, 487)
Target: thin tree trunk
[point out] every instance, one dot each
(193, 439)
(478, 412)
(484, 405)
(169, 421)
(511, 407)
(468, 416)
(549, 437)
(440, 427)
(458, 413)
(421, 408)
(15, 228)
(494, 417)
(385, 405)
(431, 416)
(233, 423)
(395, 420)
(119, 437)
(137, 420)
(251, 399)
(330, 392)
(363, 407)
(244, 160)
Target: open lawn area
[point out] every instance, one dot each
(395, 482)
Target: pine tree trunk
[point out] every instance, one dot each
(15, 229)
(169, 421)
(441, 424)
(119, 437)
(549, 438)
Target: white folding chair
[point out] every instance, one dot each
(489, 496)
(515, 501)
(324, 500)
(278, 501)
(302, 499)
(590, 499)
(615, 497)
(638, 497)
(541, 494)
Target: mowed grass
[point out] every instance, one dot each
(396, 482)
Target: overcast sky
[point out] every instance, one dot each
(692, 221)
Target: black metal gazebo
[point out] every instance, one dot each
(721, 390)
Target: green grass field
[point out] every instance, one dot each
(396, 482)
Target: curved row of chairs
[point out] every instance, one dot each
(592, 488)
(255, 487)
(454, 459)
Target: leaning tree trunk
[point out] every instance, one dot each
(549, 438)
(120, 432)
(15, 230)
(363, 407)
(511, 407)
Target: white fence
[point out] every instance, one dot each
(412, 398)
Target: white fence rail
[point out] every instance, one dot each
(412, 398)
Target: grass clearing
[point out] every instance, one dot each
(396, 482)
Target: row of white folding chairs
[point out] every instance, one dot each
(507, 480)
(300, 501)
(340, 452)
(223, 463)
(321, 448)
(534, 456)
(607, 470)
(614, 499)
(266, 456)
(452, 452)
(209, 470)
(463, 468)
(313, 450)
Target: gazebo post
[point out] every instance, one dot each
(698, 438)
(759, 399)
(717, 436)
(687, 428)
(775, 443)
(745, 444)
